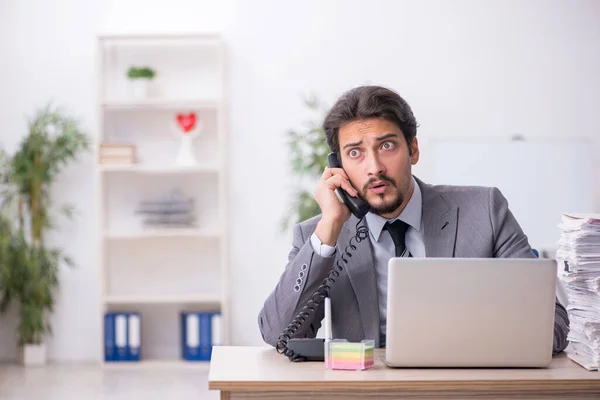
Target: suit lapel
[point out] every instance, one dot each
(361, 272)
(439, 223)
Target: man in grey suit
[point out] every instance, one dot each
(373, 131)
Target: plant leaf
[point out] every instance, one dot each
(308, 152)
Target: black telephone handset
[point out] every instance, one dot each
(356, 205)
(312, 349)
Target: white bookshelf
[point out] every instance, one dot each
(161, 271)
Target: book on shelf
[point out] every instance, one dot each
(117, 154)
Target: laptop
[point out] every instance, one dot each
(470, 312)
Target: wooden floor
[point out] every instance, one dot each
(92, 382)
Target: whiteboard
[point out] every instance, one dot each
(540, 178)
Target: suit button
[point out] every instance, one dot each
(301, 274)
(303, 267)
(298, 281)
(296, 288)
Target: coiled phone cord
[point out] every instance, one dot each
(311, 306)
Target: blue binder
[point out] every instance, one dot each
(134, 336)
(121, 336)
(205, 336)
(190, 336)
(109, 337)
(199, 332)
(216, 335)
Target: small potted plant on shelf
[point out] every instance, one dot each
(140, 79)
(29, 267)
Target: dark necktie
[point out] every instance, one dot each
(397, 230)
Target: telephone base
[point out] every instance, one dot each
(309, 348)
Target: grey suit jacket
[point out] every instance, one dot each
(478, 223)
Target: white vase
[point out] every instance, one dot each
(185, 155)
(32, 354)
(140, 88)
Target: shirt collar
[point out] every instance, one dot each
(411, 214)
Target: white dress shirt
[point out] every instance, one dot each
(383, 245)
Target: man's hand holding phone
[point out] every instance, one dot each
(334, 213)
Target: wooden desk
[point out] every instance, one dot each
(262, 373)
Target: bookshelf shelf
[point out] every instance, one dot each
(207, 39)
(158, 169)
(165, 104)
(167, 364)
(144, 184)
(163, 298)
(163, 233)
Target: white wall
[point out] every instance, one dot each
(466, 68)
(42, 60)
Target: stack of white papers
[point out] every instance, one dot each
(578, 259)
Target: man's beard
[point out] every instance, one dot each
(388, 206)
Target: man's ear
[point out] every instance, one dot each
(414, 151)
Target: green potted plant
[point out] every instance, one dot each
(140, 79)
(308, 151)
(29, 268)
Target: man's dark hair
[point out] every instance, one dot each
(366, 102)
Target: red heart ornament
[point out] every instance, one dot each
(186, 122)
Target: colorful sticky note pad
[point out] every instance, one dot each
(341, 354)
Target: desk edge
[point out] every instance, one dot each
(533, 385)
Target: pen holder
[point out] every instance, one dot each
(341, 354)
